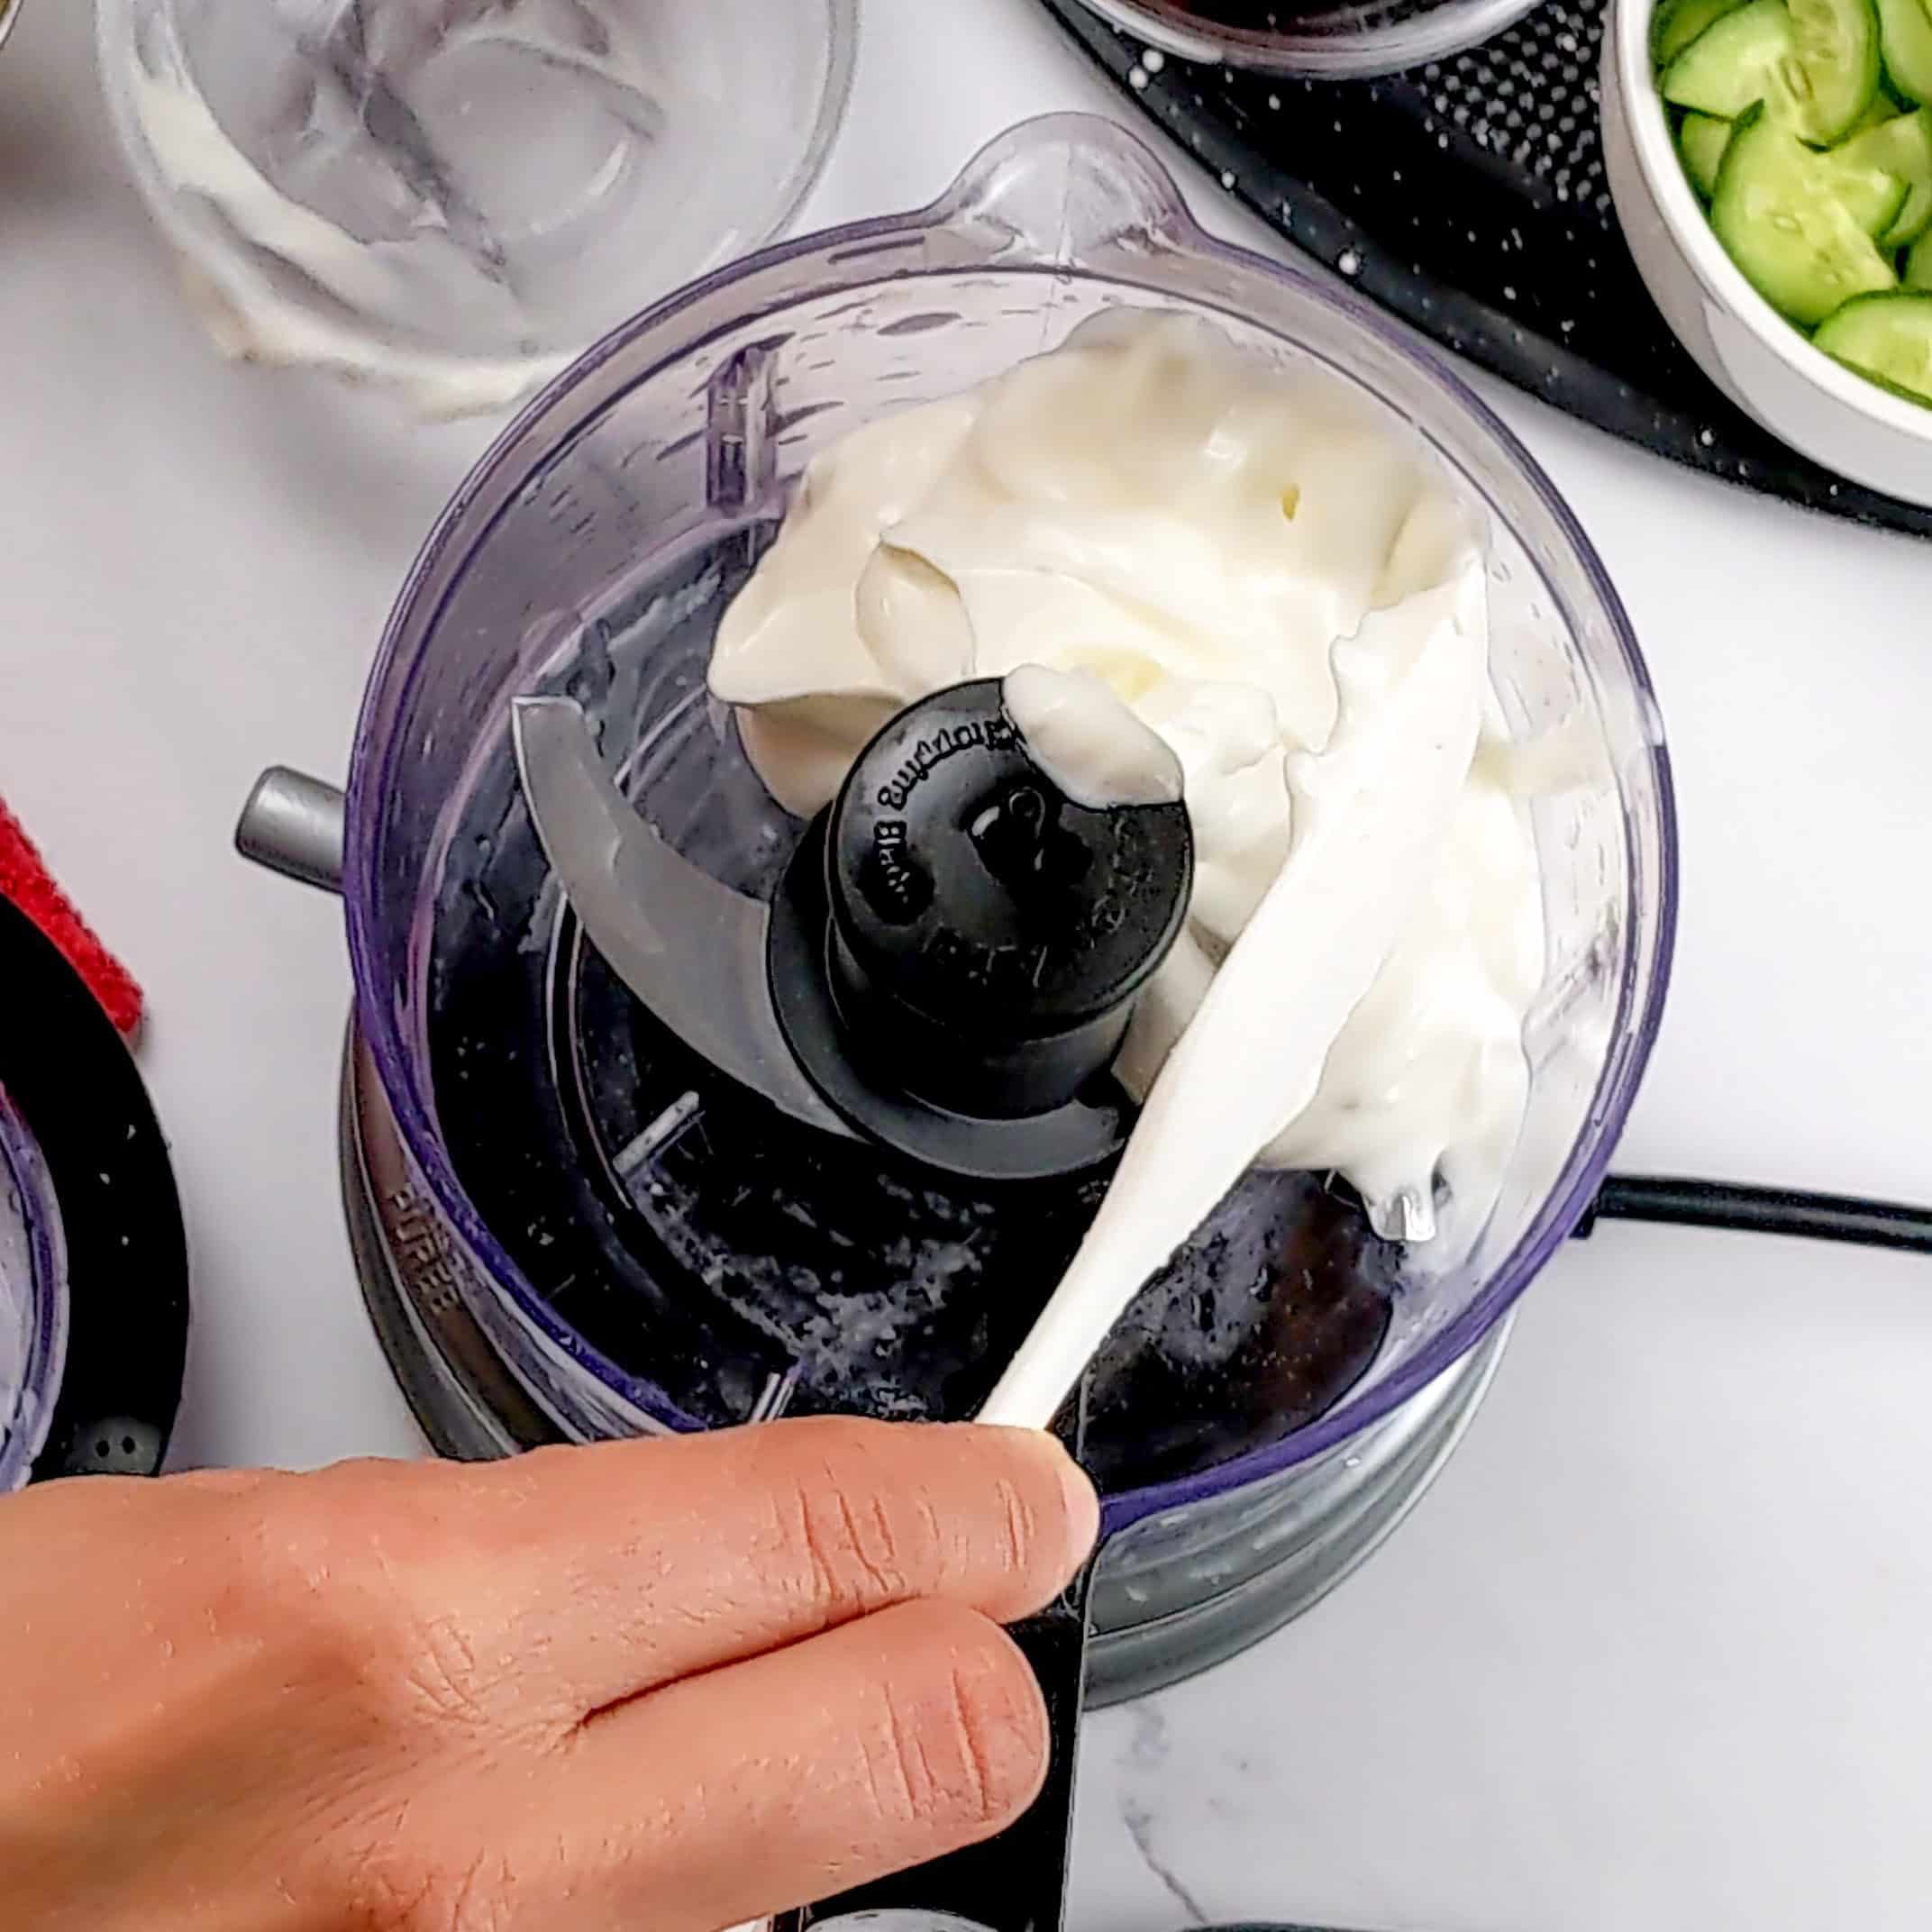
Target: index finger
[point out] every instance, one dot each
(597, 1574)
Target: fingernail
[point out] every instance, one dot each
(1077, 1491)
(1083, 1503)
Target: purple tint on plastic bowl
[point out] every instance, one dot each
(1636, 1034)
(40, 1251)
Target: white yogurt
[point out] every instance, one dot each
(1088, 742)
(1288, 595)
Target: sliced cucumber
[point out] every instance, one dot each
(1918, 264)
(1901, 146)
(1815, 63)
(1905, 33)
(1677, 22)
(1703, 138)
(1887, 337)
(1781, 216)
(1832, 74)
(1733, 63)
(1873, 198)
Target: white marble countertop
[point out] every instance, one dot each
(1653, 1654)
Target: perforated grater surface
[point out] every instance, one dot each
(1468, 197)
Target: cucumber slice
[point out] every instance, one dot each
(1832, 74)
(1677, 22)
(1918, 264)
(1874, 199)
(1887, 337)
(1731, 64)
(1815, 63)
(1901, 146)
(1703, 138)
(1905, 33)
(1781, 216)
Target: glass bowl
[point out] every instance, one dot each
(1351, 40)
(453, 201)
(33, 1299)
(593, 547)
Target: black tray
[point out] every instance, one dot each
(1468, 197)
(75, 1087)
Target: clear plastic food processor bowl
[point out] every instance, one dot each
(33, 1302)
(591, 551)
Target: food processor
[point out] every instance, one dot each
(579, 1212)
(93, 1260)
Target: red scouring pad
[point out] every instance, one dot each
(26, 881)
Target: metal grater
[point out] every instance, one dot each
(1468, 197)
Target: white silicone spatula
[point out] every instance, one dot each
(1375, 810)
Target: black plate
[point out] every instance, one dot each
(75, 1085)
(1467, 197)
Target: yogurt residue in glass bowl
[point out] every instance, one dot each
(454, 202)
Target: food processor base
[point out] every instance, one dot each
(1175, 1594)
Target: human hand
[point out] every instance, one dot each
(661, 1687)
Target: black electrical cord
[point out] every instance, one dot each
(1760, 1211)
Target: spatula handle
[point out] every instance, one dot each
(1017, 1881)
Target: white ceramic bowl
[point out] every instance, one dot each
(1763, 364)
